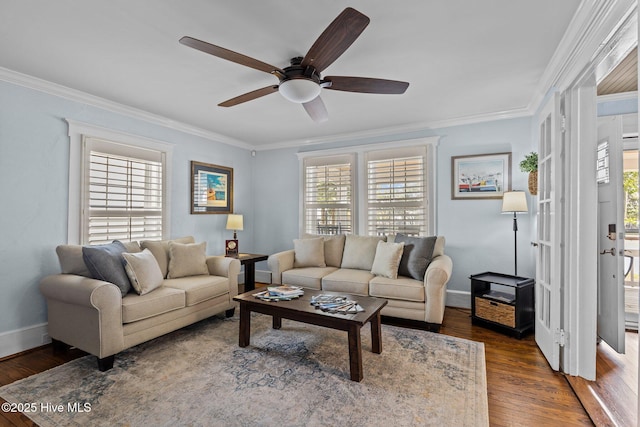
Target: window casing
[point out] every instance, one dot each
(392, 188)
(119, 186)
(328, 194)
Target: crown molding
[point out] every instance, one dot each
(593, 24)
(625, 96)
(65, 92)
(400, 131)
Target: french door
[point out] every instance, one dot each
(548, 272)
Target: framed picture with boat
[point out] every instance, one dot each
(481, 176)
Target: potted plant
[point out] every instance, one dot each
(530, 164)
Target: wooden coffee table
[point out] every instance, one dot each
(301, 310)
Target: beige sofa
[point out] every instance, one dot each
(94, 316)
(350, 266)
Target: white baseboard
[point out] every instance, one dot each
(13, 342)
(460, 299)
(263, 276)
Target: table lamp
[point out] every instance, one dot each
(514, 201)
(235, 223)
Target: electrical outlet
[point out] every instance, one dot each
(46, 339)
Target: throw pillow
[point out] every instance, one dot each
(160, 250)
(187, 259)
(105, 263)
(333, 247)
(308, 253)
(417, 255)
(143, 271)
(387, 259)
(359, 251)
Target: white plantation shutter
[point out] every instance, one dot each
(328, 194)
(397, 192)
(123, 192)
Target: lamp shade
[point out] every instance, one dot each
(234, 222)
(299, 91)
(514, 201)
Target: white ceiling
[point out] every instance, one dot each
(463, 59)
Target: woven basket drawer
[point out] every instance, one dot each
(497, 312)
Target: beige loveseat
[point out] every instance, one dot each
(357, 265)
(94, 316)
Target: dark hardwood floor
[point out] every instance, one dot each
(612, 400)
(522, 389)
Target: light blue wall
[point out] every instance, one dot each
(479, 238)
(613, 108)
(34, 170)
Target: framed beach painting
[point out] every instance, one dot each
(485, 176)
(211, 189)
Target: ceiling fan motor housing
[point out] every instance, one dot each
(300, 84)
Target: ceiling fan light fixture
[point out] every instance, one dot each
(299, 91)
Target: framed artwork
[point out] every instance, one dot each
(485, 176)
(211, 189)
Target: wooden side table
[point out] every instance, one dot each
(503, 302)
(249, 262)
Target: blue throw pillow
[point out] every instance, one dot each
(416, 256)
(105, 262)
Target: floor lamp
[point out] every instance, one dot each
(514, 201)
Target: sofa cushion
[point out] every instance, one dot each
(162, 300)
(199, 288)
(348, 281)
(333, 248)
(359, 251)
(306, 277)
(308, 253)
(417, 255)
(143, 271)
(131, 247)
(402, 288)
(71, 261)
(105, 262)
(387, 259)
(160, 250)
(187, 259)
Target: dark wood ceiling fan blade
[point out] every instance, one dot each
(249, 96)
(335, 39)
(366, 85)
(316, 110)
(229, 55)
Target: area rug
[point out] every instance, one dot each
(295, 376)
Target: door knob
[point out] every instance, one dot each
(611, 251)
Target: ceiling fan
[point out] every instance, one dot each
(301, 82)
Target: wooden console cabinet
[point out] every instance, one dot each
(503, 302)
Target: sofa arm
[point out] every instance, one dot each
(85, 313)
(435, 282)
(279, 263)
(225, 267)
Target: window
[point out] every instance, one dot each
(119, 186)
(396, 192)
(327, 194)
(123, 193)
(374, 189)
